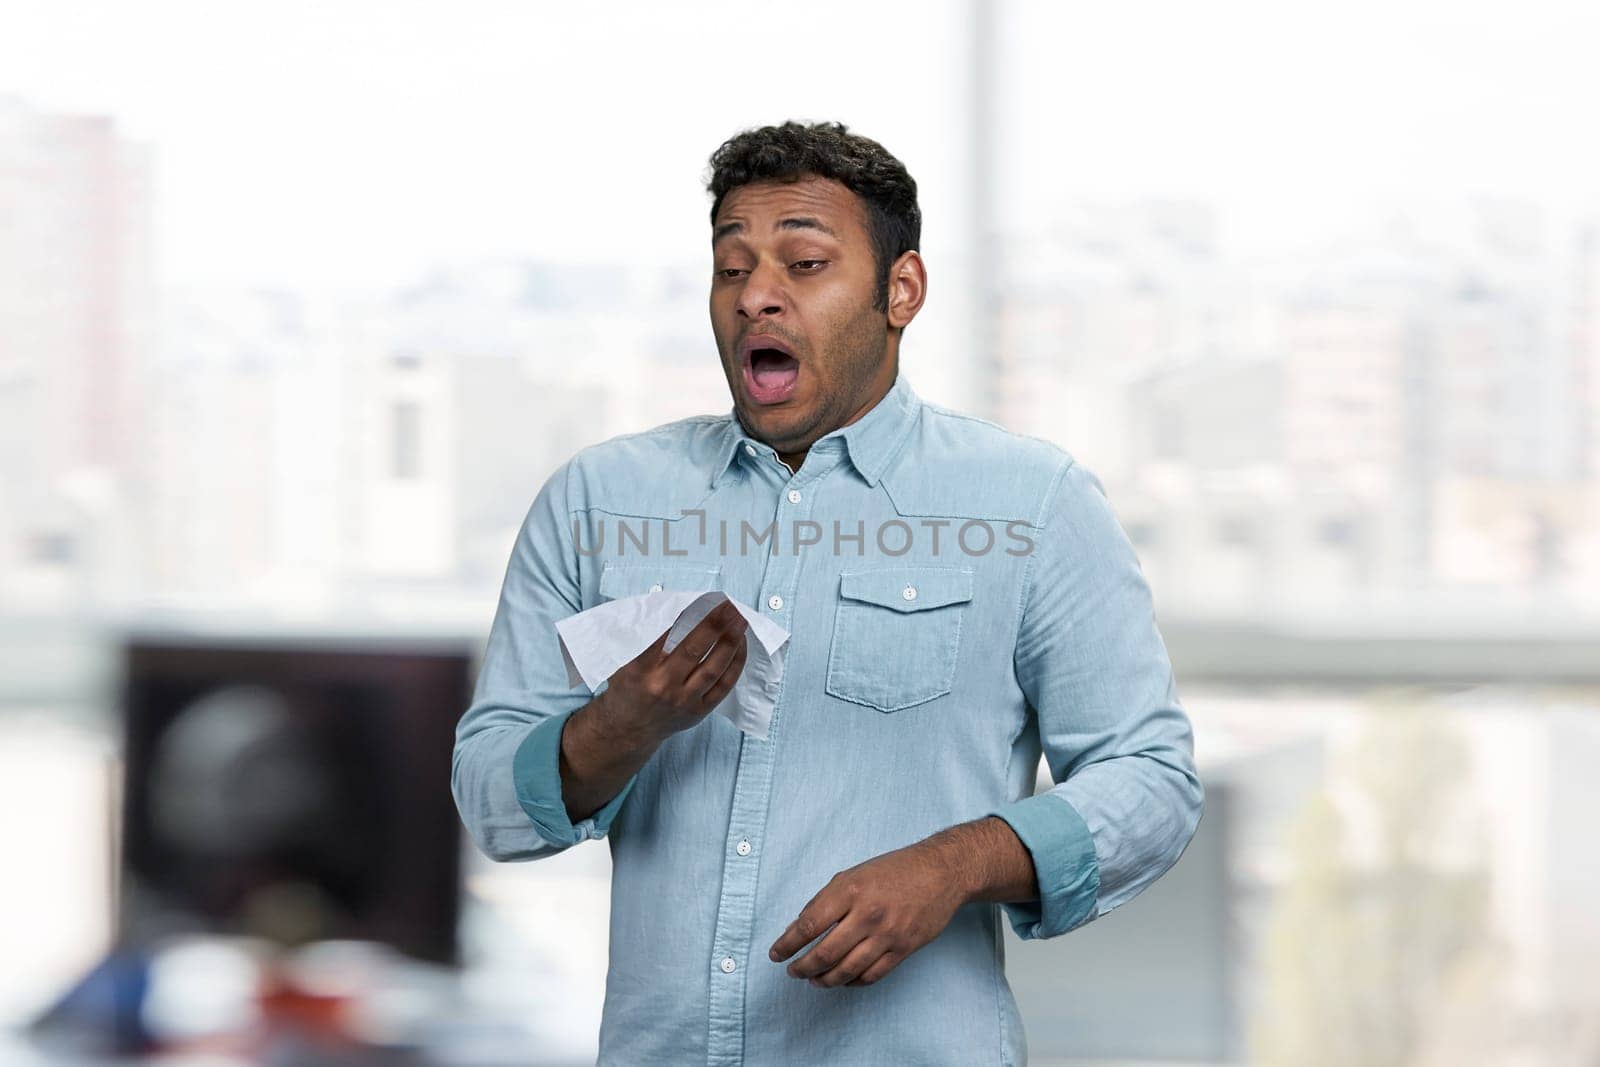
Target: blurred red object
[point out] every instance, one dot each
(318, 1015)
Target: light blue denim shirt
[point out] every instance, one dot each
(961, 599)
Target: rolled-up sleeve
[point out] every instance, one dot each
(1118, 743)
(505, 770)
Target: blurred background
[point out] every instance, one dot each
(300, 303)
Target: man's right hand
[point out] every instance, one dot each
(657, 694)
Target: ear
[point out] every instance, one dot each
(908, 287)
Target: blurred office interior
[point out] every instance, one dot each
(299, 308)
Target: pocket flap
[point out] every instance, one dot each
(908, 588)
(618, 580)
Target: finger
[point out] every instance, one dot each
(822, 912)
(708, 667)
(882, 966)
(855, 963)
(687, 654)
(831, 950)
(730, 674)
(720, 670)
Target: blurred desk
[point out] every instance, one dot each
(483, 1048)
(330, 1004)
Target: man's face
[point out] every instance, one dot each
(793, 276)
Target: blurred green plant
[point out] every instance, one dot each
(1380, 951)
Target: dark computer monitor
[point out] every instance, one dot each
(296, 791)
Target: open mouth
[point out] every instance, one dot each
(770, 372)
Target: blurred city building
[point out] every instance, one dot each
(1406, 419)
(76, 315)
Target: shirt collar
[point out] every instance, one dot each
(871, 441)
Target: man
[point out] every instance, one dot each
(960, 598)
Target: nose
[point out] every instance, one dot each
(762, 293)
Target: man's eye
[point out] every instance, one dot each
(729, 272)
(810, 264)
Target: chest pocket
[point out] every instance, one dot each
(897, 635)
(618, 580)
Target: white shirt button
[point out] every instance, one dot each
(909, 592)
(751, 449)
(727, 965)
(794, 496)
(742, 848)
(775, 602)
(656, 588)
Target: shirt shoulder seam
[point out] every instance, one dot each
(966, 416)
(1025, 590)
(650, 431)
(689, 420)
(1041, 519)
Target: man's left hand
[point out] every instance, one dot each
(885, 909)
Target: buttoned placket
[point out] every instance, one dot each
(752, 786)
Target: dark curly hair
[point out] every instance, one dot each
(796, 150)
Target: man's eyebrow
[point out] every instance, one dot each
(794, 222)
(806, 222)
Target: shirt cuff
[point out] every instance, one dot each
(536, 773)
(1064, 861)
